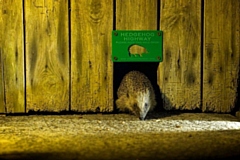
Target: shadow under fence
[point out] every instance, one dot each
(237, 103)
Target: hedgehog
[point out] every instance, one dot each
(136, 95)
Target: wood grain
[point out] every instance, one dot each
(221, 54)
(91, 66)
(47, 55)
(12, 56)
(136, 14)
(179, 73)
(2, 104)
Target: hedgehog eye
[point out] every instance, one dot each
(145, 105)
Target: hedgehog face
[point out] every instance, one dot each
(144, 105)
(144, 108)
(139, 105)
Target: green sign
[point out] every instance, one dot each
(137, 46)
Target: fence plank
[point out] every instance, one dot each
(91, 66)
(2, 105)
(136, 14)
(221, 55)
(12, 55)
(47, 55)
(179, 74)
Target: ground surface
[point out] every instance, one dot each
(120, 136)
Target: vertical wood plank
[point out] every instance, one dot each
(179, 74)
(136, 14)
(47, 55)
(2, 105)
(12, 55)
(91, 71)
(221, 54)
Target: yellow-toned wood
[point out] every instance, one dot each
(179, 74)
(47, 55)
(221, 54)
(12, 55)
(136, 14)
(91, 66)
(2, 105)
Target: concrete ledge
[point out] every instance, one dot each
(120, 136)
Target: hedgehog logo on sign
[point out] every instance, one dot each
(135, 49)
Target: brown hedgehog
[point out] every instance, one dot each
(136, 94)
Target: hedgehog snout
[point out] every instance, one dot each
(142, 118)
(143, 111)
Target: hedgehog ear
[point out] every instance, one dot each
(135, 106)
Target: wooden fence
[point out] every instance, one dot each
(56, 54)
